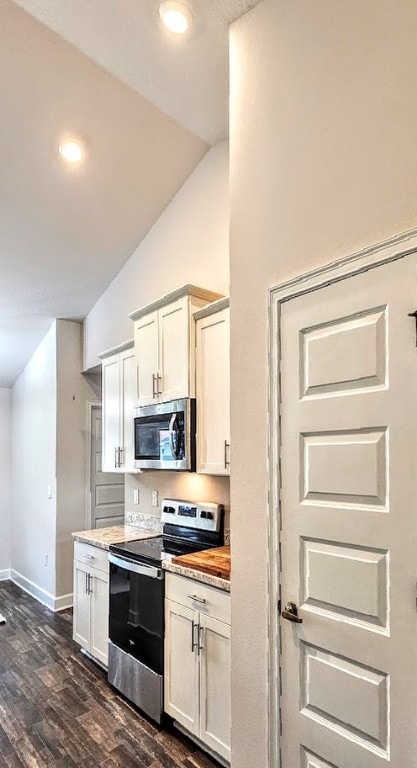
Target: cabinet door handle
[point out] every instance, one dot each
(90, 591)
(154, 388)
(158, 379)
(194, 644)
(197, 599)
(200, 639)
(115, 458)
(86, 583)
(226, 454)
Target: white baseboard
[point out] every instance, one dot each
(5, 574)
(44, 597)
(63, 602)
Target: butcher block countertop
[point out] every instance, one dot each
(212, 566)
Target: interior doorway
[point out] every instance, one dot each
(343, 522)
(106, 489)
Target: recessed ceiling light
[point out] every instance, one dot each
(176, 16)
(72, 150)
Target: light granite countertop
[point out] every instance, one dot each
(191, 573)
(103, 537)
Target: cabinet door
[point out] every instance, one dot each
(129, 401)
(181, 687)
(111, 413)
(215, 685)
(81, 617)
(99, 622)
(213, 393)
(146, 351)
(174, 350)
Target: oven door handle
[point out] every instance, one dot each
(143, 570)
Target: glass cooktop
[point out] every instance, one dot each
(157, 549)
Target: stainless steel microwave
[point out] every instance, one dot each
(165, 436)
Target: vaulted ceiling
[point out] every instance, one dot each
(147, 106)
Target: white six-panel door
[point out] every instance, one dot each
(349, 522)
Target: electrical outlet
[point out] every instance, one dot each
(154, 498)
(45, 562)
(136, 495)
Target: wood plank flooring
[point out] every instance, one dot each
(56, 707)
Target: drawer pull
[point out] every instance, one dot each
(197, 599)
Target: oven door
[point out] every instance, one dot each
(136, 611)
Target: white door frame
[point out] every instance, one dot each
(393, 249)
(91, 404)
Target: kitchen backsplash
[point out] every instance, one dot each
(175, 485)
(143, 521)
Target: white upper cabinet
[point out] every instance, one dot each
(111, 413)
(128, 402)
(174, 351)
(165, 345)
(147, 351)
(119, 398)
(213, 388)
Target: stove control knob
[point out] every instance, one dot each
(210, 516)
(203, 514)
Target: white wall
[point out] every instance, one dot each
(73, 394)
(34, 468)
(323, 162)
(188, 244)
(5, 478)
(49, 439)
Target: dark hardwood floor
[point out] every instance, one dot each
(56, 708)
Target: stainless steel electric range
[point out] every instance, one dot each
(136, 613)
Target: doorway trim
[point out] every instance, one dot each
(91, 405)
(376, 255)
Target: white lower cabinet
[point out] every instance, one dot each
(215, 671)
(197, 661)
(91, 600)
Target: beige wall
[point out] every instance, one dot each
(188, 244)
(323, 162)
(5, 478)
(33, 516)
(73, 394)
(175, 485)
(49, 441)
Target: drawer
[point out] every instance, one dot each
(193, 594)
(90, 555)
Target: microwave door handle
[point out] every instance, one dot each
(173, 436)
